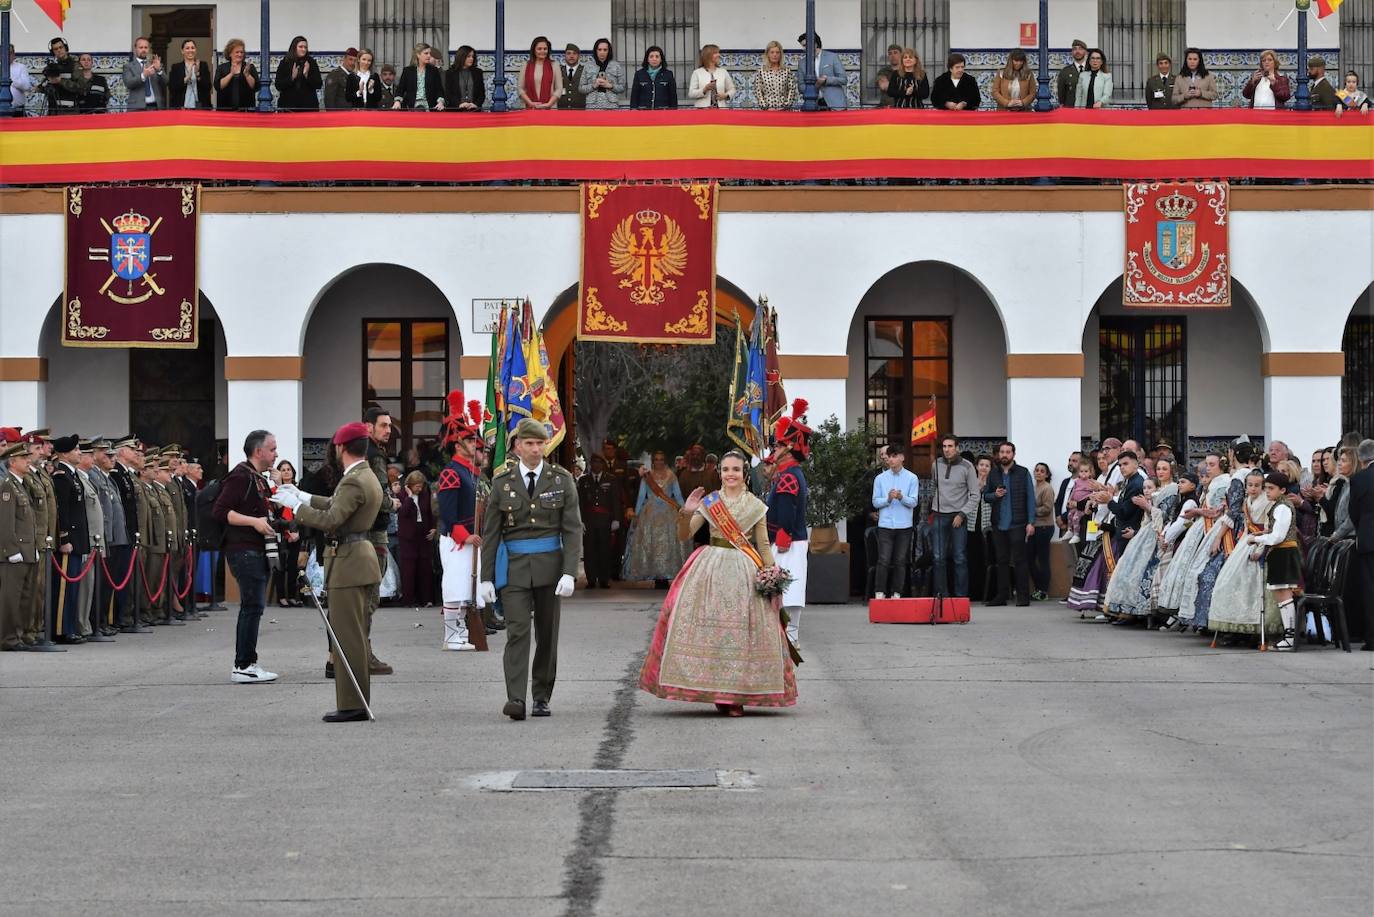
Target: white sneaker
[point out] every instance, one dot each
(253, 674)
(879, 595)
(459, 646)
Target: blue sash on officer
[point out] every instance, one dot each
(545, 545)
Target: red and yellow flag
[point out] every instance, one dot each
(923, 427)
(56, 10)
(1327, 7)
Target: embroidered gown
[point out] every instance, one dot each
(1186, 556)
(717, 640)
(1240, 594)
(653, 551)
(1207, 577)
(1132, 584)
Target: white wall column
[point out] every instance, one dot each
(1303, 411)
(23, 403)
(1043, 415)
(265, 404)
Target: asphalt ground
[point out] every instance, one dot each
(1028, 763)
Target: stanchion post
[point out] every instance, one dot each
(93, 571)
(133, 582)
(45, 643)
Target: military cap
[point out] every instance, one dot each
(101, 442)
(86, 445)
(349, 432)
(11, 435)
(128, 441)
(1316, 60)
(63, 444)
(41, 433)
(172, 449)
(529, 428)
(15, 449)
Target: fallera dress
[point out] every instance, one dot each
(1131, 589)
(717, 640)
(1240, 595)
(1190, 556)
(653, 551)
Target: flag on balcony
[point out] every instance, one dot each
(56, 10)
(923, 426)
(1327, 7)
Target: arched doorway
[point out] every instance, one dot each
(162, 395)
(1357, 386)
(560, 330)
(926, 329)
(1189, 378)
(378, 334)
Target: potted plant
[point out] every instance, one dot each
(837, 489)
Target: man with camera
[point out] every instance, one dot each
(62, 83)
(244, 510)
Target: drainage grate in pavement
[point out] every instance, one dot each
(613, 779)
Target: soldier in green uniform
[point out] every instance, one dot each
(44, 500)
(351, 570)
(154, 546)
(378, 422)
(533, 511)
(174, 518)
(18, 546)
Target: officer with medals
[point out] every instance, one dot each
(174, 515)
(44, 500)
(351, 569)
(459, 539)
(598, 497)
(124, 475)
(787, 511)
(18, 547)
(73, 539)
(154, 534)
(532, 512)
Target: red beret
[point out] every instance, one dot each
(11, 434)
(349, 432)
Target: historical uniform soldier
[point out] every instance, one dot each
(125, 477)
(599, 499)
(351, 568)
(787, 510)
(18, 547)
(459, 539)
(532, 511)
(116, 533)
(44, 501)
(89, 591)
(73, 538)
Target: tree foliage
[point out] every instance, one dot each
(835, 473)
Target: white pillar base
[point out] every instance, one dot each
(273, 405)
(1044, 420)
(1303, 411)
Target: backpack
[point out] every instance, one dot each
(210, 535)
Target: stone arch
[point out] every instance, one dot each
(1357, 383)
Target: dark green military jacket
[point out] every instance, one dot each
(18, 522)
(512, 514)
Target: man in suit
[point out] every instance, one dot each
(143, 77)
(73, 538)
(599, 501)
(830, 76)
(124, 476)
(1362, 517)
(336, 82)
(1159, 88)
(18, 547)
(1066, 84)
(573, 96)
(533, 512)
(351, 569)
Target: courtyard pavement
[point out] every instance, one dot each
(1028, 763)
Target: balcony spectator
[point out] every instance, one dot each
(1352, 97)
(388, 85)
(143, 77)
(1013, 88)
(775, 85)
(954, 90)
(830, 76)
(908, 86)
(653, 86)
(1195, 87)
(1322, 92)
(541, 83)
(464, 88)
(64, 96)
(1159, 89)
(364, 86)
(21, 84)
(603, 79)
(710, 85)
(336, 83)
(95, 89)
(236, 80)
(298, 79)
(894, 63)
(188, 82)
(1267, 88)
(571, 71)
(1095, 83)
(1066, 84)
(421, 86)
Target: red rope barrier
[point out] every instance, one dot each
(90, 559)
(128, 575)
(190, 573)
(143, 575)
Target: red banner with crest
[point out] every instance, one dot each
(1177, 245)
(648, 263)
(131, 267)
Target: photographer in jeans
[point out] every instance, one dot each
(243, 509)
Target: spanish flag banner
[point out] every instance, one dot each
(1327, 7)
(56, 10)
(923, 427)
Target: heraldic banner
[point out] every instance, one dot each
(131, 267)
(1178, 245)
(648, 264)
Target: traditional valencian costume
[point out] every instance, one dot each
(653, 550)
(787, 499)
(1131, 589)
(457, 520)
(1238, 601)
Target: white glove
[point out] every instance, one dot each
(487, 593)
(287, 498)
(615, 526)
(305, 497)
(564, 589)
(16, 558)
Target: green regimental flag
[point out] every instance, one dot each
(494, 424)
(739, 424)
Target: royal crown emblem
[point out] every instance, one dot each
(649, 262)
(1176, 206)
(131, 222)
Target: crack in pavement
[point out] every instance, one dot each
(1164, 851)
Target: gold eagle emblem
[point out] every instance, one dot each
(649, 263)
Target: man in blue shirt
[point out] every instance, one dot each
(1011, 492)
(894, 496)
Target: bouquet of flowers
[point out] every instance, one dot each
(772, 581)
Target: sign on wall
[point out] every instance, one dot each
(648, 263)
(486, 312)
(1177, 245)
(131, 267)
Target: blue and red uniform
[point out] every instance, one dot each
(787, 504)
(458, 499)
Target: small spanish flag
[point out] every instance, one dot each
(56, 10)
(923, 427)
(1327, 7)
